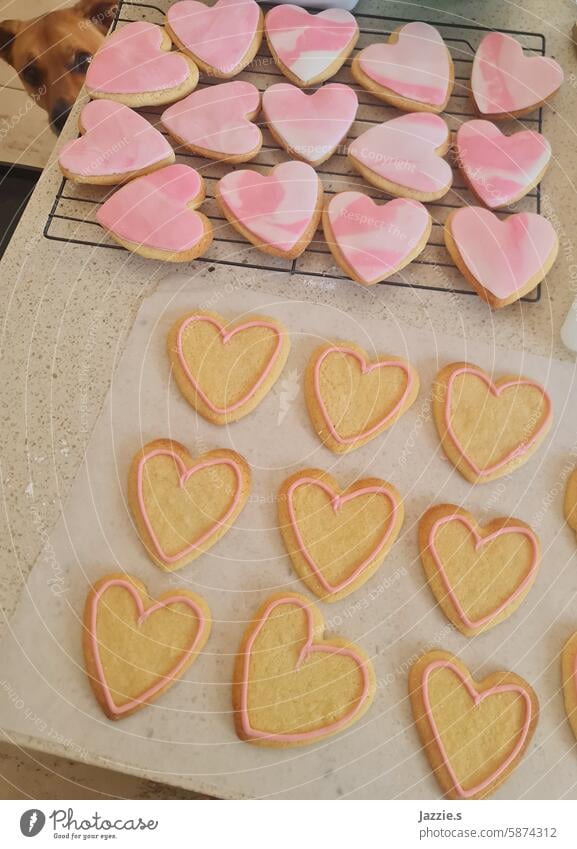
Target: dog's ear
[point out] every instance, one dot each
(99, 12)
(8, 31)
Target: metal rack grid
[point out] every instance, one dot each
(72, 216)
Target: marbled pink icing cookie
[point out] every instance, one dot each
(136, 66)
(215, 121)
(310, 48)
(404, 156)
(155, 215)
(500, 169)
(278, 212)
(222, 39)
(310, 126)
(413, 71)
(117, 144)
(506, 82)
(371, 242)
(503, 260)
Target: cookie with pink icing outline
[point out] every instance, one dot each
(310, 48)
(217, 122)
(571, 501)
(224, 368)
(222, 39)
(479, 575)
(116, 145)
(503, 260)
(337, 538)
(569, 677)
(352, 397)
(183, 505)
(292, 685)
(488, 428)
(136, 647)
(137, 67)
(474, 733)
(413, 71)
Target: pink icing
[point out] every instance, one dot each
(504, 80)
(116, 140)
(366, 368)
(309, 44)
(479, 543)
(119, 710)
(220, 35)
(132, 61)
(496, 391)
(403, 152)
(500, 168)
(154, 210)
(337, 502)
(503, 255)
(277, 208)
(185, 474)
(311, 125)
(417, 66)
(227, 335)
(308, 648)
(214, 118)
(375, 239)
(477, 698)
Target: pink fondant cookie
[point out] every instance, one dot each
(309, 126)
(222, 39)
(502, 260)
(155, 215)
(500, 169)
(310, 48)
(277, 212)
(404, 157)
(116, 145)
(412, 71)
(135, 66)
(373, 241)
(505, 82)
(216, 122)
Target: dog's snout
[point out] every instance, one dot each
(58, 115)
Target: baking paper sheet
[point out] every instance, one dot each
(189, 731)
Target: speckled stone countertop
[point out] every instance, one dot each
(67, 310)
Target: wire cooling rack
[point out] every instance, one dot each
(72, 216)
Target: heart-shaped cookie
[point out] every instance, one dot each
(505, 82)
(135, 648)
(117, 144)
(155, 215)
(224, 369)
(222, 39)
(479, 576)
(569, 673)
(277, 212)
(571, 501)
(135, 66)
(351, 399)
(413, 71)
(309, 126)
(182, 506)
(488, 428)
(404, 157)
(370, 241)
(502, 259)
(337, 539)
(310, 48)
(500, 169)
(291, 686)
(216, 122)
(474, 734)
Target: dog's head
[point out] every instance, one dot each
(51, 53)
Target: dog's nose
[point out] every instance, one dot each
(58, 115)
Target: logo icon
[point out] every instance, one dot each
(32, 822)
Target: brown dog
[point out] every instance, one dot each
(51, 53)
